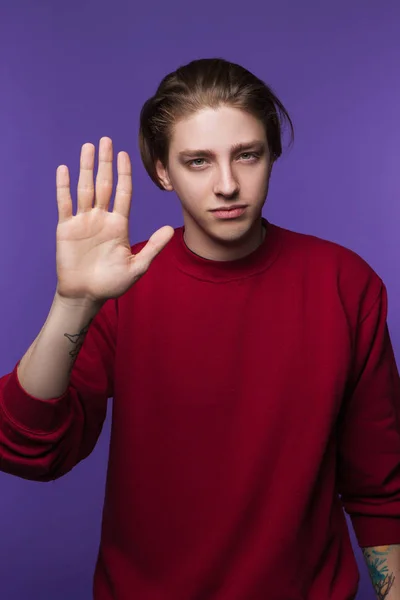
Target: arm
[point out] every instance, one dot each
(54, 402)
(368, 468)
(45, 369)
(383, 564)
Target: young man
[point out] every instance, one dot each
(255, 388)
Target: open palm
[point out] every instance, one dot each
(93, 258)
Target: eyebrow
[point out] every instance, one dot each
(241, 147)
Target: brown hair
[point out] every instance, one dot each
(208, 82)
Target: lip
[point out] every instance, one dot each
(231, 213)
(221, 208)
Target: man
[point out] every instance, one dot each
(255, 388)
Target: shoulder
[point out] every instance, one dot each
(315, 246)
(332, 262)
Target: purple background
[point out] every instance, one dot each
(72, 72)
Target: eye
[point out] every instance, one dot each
(196, 162)
(249, 156)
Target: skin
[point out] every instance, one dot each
(225, 177)
(383, 567)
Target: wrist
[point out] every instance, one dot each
(87, 305)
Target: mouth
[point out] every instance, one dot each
(232, 212)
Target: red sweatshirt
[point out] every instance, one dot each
(253, 400)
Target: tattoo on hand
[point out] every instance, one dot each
(382, 578)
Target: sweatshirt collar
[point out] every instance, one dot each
(222, 271)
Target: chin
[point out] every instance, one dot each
(230, 232)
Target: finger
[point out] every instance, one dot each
(156, 243)
(63, 191)
(104, 179)
(123, 194)
(85, 181)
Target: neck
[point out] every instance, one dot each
(204, 246)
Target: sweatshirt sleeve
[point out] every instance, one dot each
(369, 434)
(41, 440)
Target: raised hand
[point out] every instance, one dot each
(93, 256)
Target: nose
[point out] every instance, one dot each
(226, 183)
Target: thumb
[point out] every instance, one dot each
(157, 242)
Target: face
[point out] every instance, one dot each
(219, 159)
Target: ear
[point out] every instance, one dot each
(271, 164)
(162, 174)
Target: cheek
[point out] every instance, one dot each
(189, 186)
(255, 182)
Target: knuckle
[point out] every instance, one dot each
(105, 183)
(85, 187)
(123, 191)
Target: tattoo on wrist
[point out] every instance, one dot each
(77, 340)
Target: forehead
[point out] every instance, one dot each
(216, 128)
